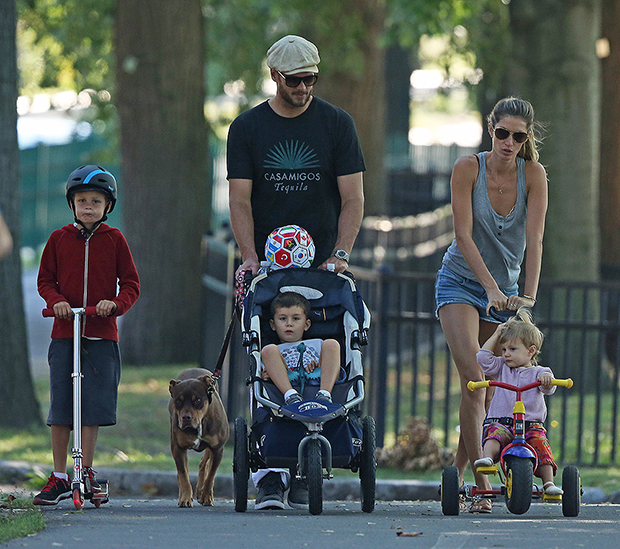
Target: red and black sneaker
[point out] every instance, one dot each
(54, 491)
(95, 487)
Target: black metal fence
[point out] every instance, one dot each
(410, 371)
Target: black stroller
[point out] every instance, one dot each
(309, 437)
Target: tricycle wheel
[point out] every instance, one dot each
(571, 485)
(78, 499)
(314, 474)
(368, 464)
(241, 466)
(450, 491)
(519, 472)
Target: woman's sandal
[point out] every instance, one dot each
(481, 505)
(462, 498)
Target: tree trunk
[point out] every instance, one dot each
(18, 404)
(557, 70)
(160, 56)
(610, 145)
(360, 92)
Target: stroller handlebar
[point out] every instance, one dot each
(473, 385)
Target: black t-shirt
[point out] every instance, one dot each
(294, 164)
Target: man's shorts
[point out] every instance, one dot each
(101, 370)
(454, 288)
(535, 436)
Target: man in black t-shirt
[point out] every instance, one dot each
(295, 159)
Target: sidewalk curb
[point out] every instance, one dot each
(125, 482)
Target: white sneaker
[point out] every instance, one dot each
(552, 490)
(483, 462)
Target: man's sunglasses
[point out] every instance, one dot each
(502, 134)
(294, 81)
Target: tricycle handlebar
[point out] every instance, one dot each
(473, 385)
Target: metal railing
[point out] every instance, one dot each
(410, 371)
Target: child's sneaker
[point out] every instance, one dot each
(292, 399)
(324, 397)
(95, 487)
(54, 491)
(483, 462)
(552, 490)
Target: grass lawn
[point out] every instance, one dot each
(141, 440)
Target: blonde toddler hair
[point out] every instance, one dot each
(521, 328)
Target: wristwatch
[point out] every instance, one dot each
(341, 254)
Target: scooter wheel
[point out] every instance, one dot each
(78, 499)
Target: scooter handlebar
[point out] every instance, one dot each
(88, 311)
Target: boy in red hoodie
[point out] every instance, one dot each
(81, 266)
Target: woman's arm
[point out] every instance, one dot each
(537, 200)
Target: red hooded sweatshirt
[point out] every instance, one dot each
(83, 272)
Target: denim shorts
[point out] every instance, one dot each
(101, 374)
(454, 288)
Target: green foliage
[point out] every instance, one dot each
(18, 517)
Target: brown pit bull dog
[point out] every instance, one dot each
(199, 422)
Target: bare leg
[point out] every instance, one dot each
(276, 367)
(545, 473)
(491, 449)
(89, 442)
(60, 444)
(330, 364)
(460, 324)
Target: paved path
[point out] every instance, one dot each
(158, 523)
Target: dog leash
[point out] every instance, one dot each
(241, 287)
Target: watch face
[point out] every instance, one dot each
(341, 254)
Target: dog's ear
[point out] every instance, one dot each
(209, 383)
(173, 384)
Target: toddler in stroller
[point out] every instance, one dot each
(311, 433)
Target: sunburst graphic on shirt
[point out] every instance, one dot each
(292, 155)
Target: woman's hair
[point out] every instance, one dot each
(290, 299)
(521, 328)
(513, 106)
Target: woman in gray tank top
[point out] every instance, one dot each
(499, 203)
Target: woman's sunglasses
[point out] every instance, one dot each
(294, 81)
(502, 134)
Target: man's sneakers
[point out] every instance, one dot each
(270, 492)
(298, 493)
(54, 491)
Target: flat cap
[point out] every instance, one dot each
(292, 55)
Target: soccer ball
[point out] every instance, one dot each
(289, 246)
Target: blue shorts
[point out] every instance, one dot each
(101, 371)
(454, 288)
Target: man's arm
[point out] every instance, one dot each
(242, 222)
(351, 189)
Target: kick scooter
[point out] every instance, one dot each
(80, 485)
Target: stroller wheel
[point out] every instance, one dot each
(314, 473)
(241, 467)
(368, 464)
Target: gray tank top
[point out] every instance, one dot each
(500, 240)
